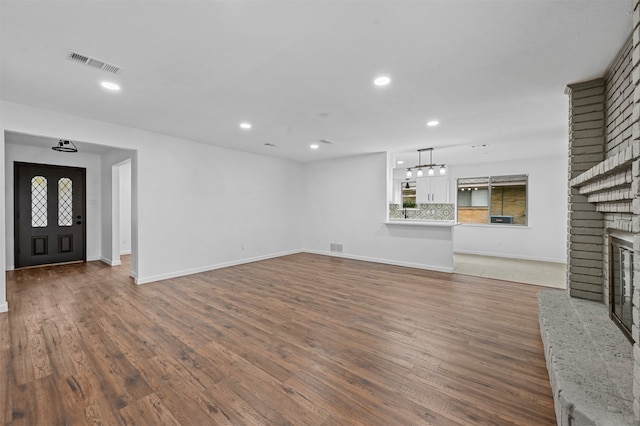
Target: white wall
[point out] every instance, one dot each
(198, 207)
(125, 208)
(33, 154)
(545, 237)
(346, 202)
(3, 266)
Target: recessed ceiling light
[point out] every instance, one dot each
(314, 146)
(400, 162)
(383, 80)
(110, 86)
(245, 125)
(433, 123)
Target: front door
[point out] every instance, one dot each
(49, 214)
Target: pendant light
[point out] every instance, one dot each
(63, 146)
(430, 167)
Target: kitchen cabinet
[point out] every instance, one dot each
(434, 189)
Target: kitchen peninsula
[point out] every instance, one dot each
(432, 241)
(432, 227)
(419, 209)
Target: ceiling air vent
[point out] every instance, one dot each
(93, 62)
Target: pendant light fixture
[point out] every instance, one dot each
(430, 167)
(63, 146)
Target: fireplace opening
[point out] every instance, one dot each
(621, 284)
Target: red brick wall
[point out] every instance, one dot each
(473, 214)
(510, 201)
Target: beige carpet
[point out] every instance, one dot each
(547, 274)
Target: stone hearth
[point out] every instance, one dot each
(579, 337)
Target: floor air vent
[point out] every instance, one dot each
(93, 62)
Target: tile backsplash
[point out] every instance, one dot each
(424, 212)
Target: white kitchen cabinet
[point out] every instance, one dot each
(434, 189)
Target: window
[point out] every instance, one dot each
(408, 191)
(493, 199)
(39, 202)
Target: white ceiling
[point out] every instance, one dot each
(491, 71)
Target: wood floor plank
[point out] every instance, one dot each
(6, 363)
(37, 402)
(148, 411)
(84, 401)
(184, 400)
(29, 351)
(300, 339)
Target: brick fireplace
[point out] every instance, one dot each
(604, 201)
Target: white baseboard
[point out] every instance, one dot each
(111, 262)
(153, 278)
(89, 259)
(4, 307)
(383, 261)
(125, 252)
(511, 256)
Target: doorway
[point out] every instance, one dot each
(49, 214)
(121, 219)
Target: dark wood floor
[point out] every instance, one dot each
(301, 339)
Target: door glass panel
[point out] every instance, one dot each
(65, 202)
(39, 202)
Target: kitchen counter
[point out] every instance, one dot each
(412, 222)
(426, 244)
